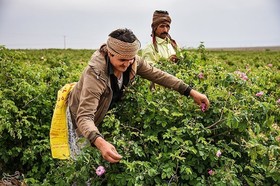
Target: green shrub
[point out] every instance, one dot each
(163, 136)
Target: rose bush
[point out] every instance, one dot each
(164, 137)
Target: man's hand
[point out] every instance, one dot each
(200, 98)
(173, 58)
(108, 151)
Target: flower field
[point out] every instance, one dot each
(164, 137)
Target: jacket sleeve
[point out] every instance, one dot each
(145, 70)
(88, 105)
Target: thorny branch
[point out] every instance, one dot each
(217, 122)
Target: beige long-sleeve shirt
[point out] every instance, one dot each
(165, 50)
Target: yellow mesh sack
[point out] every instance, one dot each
(59, 129)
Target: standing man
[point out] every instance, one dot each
(162, 46)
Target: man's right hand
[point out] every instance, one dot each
(173, 58)
(200, 98)
(108, 151)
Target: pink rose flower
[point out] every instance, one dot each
(270, 65)
(211, 172)
(203, 107)
(259, 94)
(200, 75)
(242, 75)
(100, 171)
(219, 153)
(278, 101)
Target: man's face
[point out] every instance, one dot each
(162, 30)
(119, 64)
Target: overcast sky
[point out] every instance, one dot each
(86, 23)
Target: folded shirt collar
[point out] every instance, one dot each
(162, 41)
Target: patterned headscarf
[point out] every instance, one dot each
(159, 17)
(123, 49)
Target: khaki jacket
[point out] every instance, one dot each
(90, 99)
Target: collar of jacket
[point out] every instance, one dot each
(109, 66)
(162, 41)
(98, 65)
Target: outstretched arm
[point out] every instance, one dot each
(108, 151)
